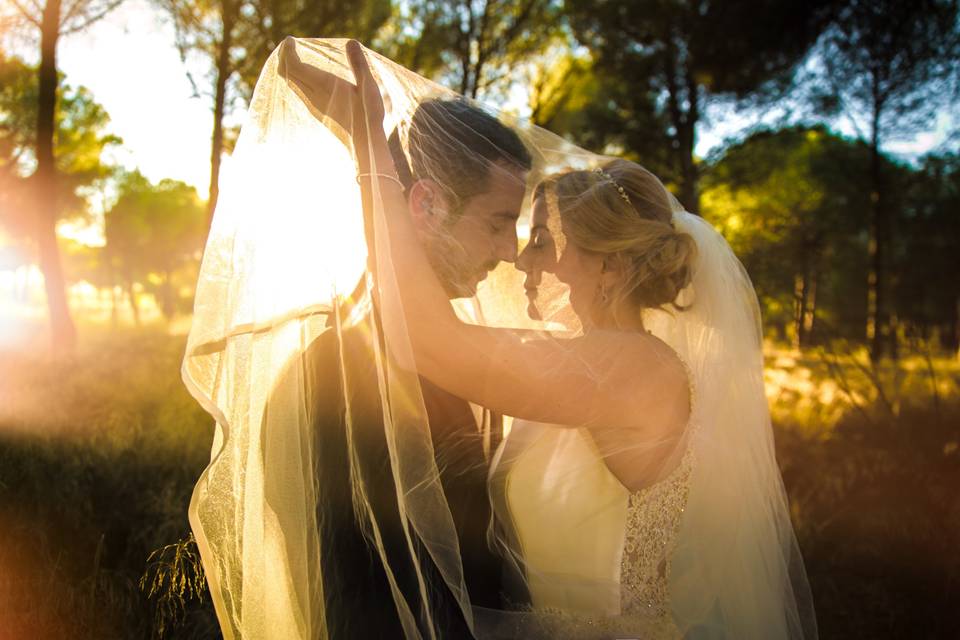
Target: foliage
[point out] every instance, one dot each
(52, 19)
(233, 38)
(252, 29)
(264, 25)
(926, 296)
(472, 47)
(174, 577)
(665, 59)
(887, 66)
(79, 142)
(560, 87)
(74, 15)
(153, 229)
(791, 205)
(610, 111)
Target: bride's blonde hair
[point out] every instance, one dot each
(623, 212)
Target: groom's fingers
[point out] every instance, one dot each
(369, 91)
(358, 62)
(328, 97)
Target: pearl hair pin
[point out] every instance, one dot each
(620, 190)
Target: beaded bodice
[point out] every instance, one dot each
(653, 519)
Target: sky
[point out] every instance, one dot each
(130, 63)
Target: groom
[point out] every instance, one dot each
(465, 212)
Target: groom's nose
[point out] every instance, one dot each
(505, 247)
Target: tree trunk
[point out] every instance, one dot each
(168, 306)
(680, 81)
(114, 316)
(799, 289)
(228, 16)
(690, 191)
(804, 294)
(810, 312)
(62, 330)
(878, 317)
(112, 279)
(956, 327)
(134, 306)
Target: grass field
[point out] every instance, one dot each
(98, 456)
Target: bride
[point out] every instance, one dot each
(637, 493)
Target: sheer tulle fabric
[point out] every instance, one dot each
(293, 261)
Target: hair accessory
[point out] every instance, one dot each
(620, 190)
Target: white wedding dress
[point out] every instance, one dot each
(591, 550)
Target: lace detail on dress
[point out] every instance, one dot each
(653, 518)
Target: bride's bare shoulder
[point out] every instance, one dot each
(645, 378)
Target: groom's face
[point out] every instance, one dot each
(463, 247)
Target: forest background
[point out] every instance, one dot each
(822, 138)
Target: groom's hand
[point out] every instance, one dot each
(335, 101)
(369, 92)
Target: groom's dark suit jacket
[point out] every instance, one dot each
(358, 598)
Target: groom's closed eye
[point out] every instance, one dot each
(502, 221)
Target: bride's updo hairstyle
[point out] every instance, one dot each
(623, 212)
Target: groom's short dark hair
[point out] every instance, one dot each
(455, 143)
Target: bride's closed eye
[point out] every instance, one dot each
(539, 238)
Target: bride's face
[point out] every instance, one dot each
(539, 256)
(583, 272)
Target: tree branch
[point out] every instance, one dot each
(89, 20)
(35, 21)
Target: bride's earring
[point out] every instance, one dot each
(604, 283)
(604, 297)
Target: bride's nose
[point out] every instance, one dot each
(523, 262)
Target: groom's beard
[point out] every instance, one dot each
(458, 275)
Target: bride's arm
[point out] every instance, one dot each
(604, 378)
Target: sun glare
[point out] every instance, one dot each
(297, 203)
(21, 308)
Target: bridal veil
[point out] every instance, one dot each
(291, 259)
